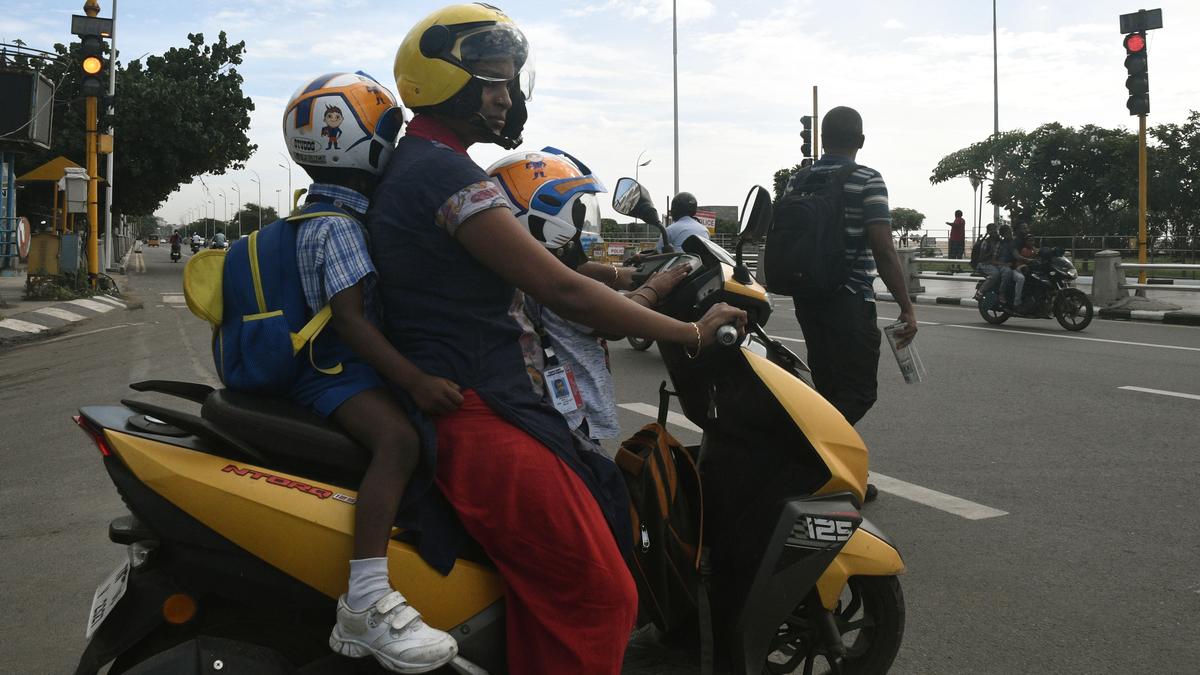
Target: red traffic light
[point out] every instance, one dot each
(1135, 42)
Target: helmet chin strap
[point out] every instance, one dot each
(480, 123)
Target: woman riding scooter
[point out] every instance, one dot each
(453, 263)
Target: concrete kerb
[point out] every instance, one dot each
(1178, 317)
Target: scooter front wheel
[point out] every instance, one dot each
(1073, 309)
(640, 344)
(870, 620)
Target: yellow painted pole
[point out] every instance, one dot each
(1141, 198)
(93, 251)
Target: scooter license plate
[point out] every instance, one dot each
(108, 594)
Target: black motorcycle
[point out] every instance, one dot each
(1049, 291)
(195, 247)
(175, 254)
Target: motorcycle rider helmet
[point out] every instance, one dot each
(683, 204)
(437, 66)
(342, 121)
(552, 194)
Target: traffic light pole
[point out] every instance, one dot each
(816, 139)
(1141, 199)
(93, 190)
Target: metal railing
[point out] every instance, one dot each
(1169, 286)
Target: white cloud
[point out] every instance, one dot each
(893, 24)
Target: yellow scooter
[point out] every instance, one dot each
(241, 520)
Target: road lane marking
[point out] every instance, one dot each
(1162, 392)
(1012, 331)
(72, 336)
(938, 500)
(672, 417)
(60, 314)
(174, 299)
(22, 326)
(921, 495)
(920, 322)
(93, 305)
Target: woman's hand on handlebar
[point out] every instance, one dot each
(662, 283)
(719, 315)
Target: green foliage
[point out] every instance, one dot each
(906, 220)
(727, 226)
(1072, 181)
(781, 179)
(250, 217)
(178, 115)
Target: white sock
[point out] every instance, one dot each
(368, 583)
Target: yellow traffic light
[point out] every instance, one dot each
(92, 65)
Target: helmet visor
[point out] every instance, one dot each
(585, 213)
(480, 50)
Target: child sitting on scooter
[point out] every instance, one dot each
(335, 268)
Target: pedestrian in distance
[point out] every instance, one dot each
(840, 329)
(958, 236)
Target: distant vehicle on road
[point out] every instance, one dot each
(153, 240)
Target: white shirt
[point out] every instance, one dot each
(680, 230)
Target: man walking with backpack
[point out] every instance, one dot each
(838, 316)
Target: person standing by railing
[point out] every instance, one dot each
(958, 236)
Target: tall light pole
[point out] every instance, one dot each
(239, 207)
(226, 221)
(108, 159)
(277, 191)
(289, 170)
(675, 86)
(639, 164)
(995, 107)
(258, 180)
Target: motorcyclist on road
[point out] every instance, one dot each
(218, 240)
(454, 266)
(683, 222)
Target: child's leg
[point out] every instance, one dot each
(379, 423)
(372, 618)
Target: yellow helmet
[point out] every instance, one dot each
(436, 63)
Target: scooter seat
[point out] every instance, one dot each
(286, 432)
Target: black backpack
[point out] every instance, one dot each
(805, 254)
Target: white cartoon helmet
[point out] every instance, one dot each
(552, 193)
(342, 121)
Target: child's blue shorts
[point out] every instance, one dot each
(324, 393)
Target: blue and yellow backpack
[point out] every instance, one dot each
(252, 297)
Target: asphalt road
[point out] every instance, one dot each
(1047, 515)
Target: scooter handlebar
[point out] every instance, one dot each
(727, 336)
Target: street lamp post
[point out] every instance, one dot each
(226, 203)
(995, 103)
(258, 181)
(289, 170)
(212, 224)
(277, 191)
(675, 87)
(639, 164)
(239, 207)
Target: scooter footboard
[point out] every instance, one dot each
(867, 553)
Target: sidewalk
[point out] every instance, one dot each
(22, 320)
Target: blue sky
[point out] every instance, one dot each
(919, 71)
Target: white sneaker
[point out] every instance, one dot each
(393, 632)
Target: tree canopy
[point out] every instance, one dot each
(178, 115)
(906, 220)
(1084, 180)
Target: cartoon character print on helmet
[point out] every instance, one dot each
(438, 66)
(342, 121)
(552, 194)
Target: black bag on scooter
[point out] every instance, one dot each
(667, 510)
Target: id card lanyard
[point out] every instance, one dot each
(560, 380)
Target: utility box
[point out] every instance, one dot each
(70, 253)
(74, 185)
(43, 254)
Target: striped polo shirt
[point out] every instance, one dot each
(866, 203)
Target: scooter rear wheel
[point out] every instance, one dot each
(870, 619)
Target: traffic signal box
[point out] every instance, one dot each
(1137, 80)
(806, 136)
(93, 67)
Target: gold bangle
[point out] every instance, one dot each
(656, 295)
(616, 273)
(685, 349)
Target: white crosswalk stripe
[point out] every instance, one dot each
(60, 314)
(175, 299)
(109, 299)
(21, 326)
(93, 305)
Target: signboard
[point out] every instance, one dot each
(616, 250)
(708, 219)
